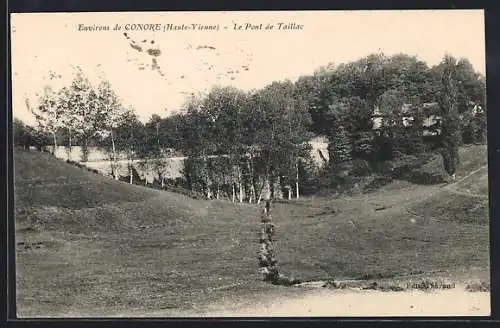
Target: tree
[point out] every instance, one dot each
(450, 135)
(299, 123)
(479, 124)
(391, 104)
(279, 122)
(128, 136)
(470, 86)
(21, 137)
(113, 115)
(222, 109)
(170, 131)
(321, 89)
(193, 128)
(88, 116)
(371, 78)
(157, 146)
(68, 118)
(416, 130)
(197, 145)
(48, 114)
(339, 133)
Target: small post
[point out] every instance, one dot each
(267, 256)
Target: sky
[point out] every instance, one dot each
(193, 61)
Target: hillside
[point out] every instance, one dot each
(42, 180)
(89, 244)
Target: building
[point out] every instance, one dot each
(430, 121)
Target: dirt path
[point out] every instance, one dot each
(467, 176)
(403, 199)
(371, 303)
(319, 302)
(454, 187)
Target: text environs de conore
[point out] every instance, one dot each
(190, 27)
(149, 27)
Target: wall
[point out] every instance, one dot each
(98, 159)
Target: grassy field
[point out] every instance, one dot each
(87, 244)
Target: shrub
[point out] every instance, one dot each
(382, 167)
(361, 167)
(377, 183)
(365, 145)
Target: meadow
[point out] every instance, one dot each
(91, 245)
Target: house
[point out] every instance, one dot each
(431, 119)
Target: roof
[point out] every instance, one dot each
(406, 108)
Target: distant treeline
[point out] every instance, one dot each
(260, 138)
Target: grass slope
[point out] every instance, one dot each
(43, 180)
(100, 246)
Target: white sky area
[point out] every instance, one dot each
(43, 42)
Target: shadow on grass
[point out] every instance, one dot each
(418, 177)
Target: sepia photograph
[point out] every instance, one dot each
(250, 164)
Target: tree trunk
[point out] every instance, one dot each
(146, 171)
(253, 193)
(265, 190)
(272, 188)
(131, 172)
(297, 179)
(267, 256)
(114, 154)
(267, 186)
(258, 196)
(277, 190)
(209, 191)
(162, 181)
(55, 143)
(289, 191)
(85, 150)
(241, 191)
(69, 144)
(240, 185)
(234, 193)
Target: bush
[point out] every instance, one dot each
(361, 167)
(468, 134)
(412, 168)
(187, 192)
(365, 144)
(382, 167)
(124, 178)
(425, 178)
(378, 182)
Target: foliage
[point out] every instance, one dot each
(450, 136)
(248, 146)
(48, 114)
(25, 136)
